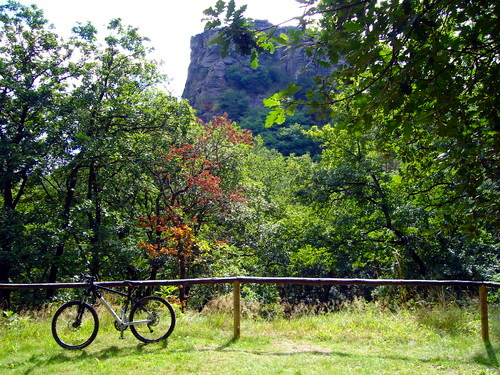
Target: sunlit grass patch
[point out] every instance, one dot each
(361, 339)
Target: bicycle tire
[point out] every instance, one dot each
(161, 318)
(71, 333)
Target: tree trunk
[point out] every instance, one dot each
(156, 264)
(95, 220)
(5, 268)
(402, 238)
(8, 235)
(182, 275)
(68, 203)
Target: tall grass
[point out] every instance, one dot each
(361, 338)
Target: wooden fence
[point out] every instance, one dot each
(237, 281)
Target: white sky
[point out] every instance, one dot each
(168, 23)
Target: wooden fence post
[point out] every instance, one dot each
(483, 294)
(236, 309)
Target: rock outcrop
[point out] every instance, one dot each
(208, 79)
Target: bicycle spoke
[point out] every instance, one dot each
(74, 325)
(158, 317)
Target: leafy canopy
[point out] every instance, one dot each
(421, 74)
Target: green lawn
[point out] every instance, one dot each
(356, 341)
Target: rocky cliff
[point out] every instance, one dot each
(213, 81)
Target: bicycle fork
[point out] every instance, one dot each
(81, 309)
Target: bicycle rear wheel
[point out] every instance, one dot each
(158, 319)
(75, 325)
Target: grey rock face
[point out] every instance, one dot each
(207, 74)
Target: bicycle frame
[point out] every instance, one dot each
(122, 321)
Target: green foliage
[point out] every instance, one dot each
(78, 136)
(407, 182)
(451, 320)
(34, 71)
(239, 102)
(234, 102)
(260, 80)
(279, 112)
(12, 319)
(290, 139)
(198, 182)
(422, 75)
(241, 37)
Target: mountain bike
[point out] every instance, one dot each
(75, 324)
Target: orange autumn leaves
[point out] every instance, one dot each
(191, 181)
(174, 238)
(186, 167)
(226, 132)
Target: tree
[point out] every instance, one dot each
(197, 181)
(421, 74)
(81, 122)
(264, 233)
(363, 195)
(412, 85)
(378, 219)
(35, 67)
(117, 104)
(235, 102)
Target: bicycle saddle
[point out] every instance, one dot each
(131, 284)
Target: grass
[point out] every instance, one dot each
(358, 340)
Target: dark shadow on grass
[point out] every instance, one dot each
(490, 359)
(71, 356)
(36, 363)
(226, 349)
(279, 354)
(84, 354)
(115, 351)
(227, 344)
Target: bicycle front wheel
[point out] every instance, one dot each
(75, 325)
(155, 317)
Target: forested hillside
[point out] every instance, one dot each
(103, 172)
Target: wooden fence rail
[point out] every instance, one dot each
(237, 281)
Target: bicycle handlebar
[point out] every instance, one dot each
(88, 278)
